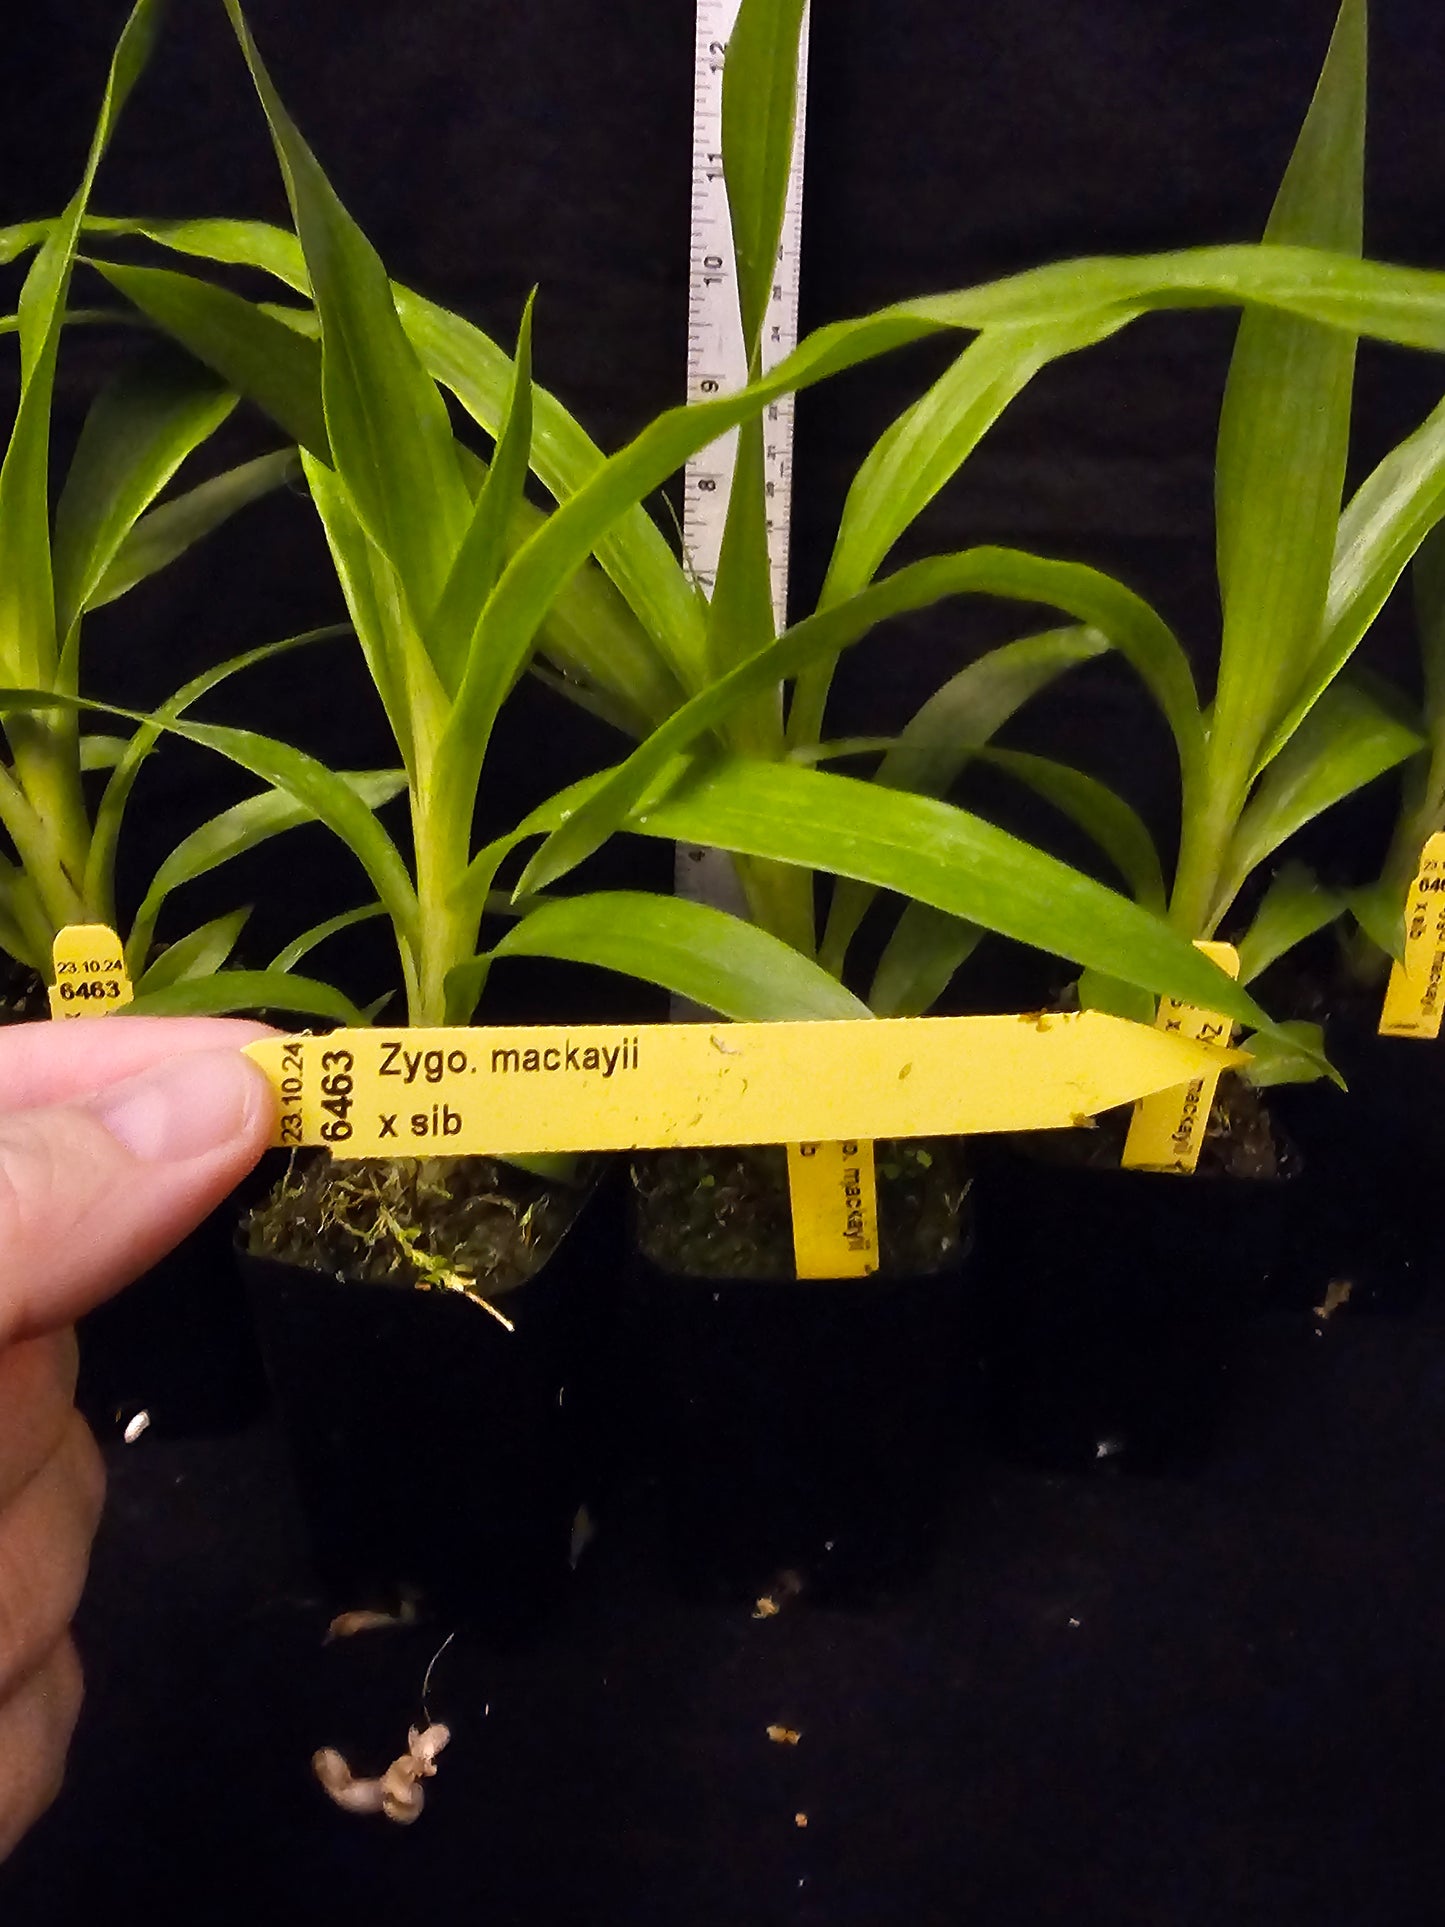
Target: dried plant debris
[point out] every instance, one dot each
(397, 1794)
(1337, 1296)
(470, 1225)
(348, 1625)
(726, 1213)
(788, 1585)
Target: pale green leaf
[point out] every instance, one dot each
(759, 107)
(165, 533)
(688, 948)
(1284, 434)
(1293, 1057)
(919, 960)
(931, 851)
(198, 954)
(303, 945)
(254, 353)
(1348, 739)
(1130, 623)
(139, 430)
(28, 639)
(234, 831)
(228, 991)
(457, 625)
(1294, 907)
(391, 438)
(957, 719)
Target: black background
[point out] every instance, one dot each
(487, 147)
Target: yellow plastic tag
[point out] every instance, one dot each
(90, 973)
(833, 1190)
(400, 1093)
(1413, 997)
(1167, 1129)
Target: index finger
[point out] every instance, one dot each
(51, 1063)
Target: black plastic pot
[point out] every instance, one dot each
(799, 1425)
(1111, 1304)
(179, 1344)
(436, 1454)
(1375, 1161)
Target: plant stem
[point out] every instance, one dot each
(780, 900)
(1204, 839)
(448, 935)
(47, 768)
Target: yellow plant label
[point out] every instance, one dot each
(90, 973)
(833, 1190)
(1167, 1129)
(1414, 994)
(401, 1093)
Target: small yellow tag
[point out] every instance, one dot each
(1166, 1132)
(1416, 991)
(409, 1093)
(90, 973)
(833, 1190)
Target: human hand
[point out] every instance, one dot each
(116, 1138)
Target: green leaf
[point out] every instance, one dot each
(139, 430)
(1101, 813)
(740, 619)
(402, 671)
(28, 641)
(688, 948)
(1131, 624)
(1348, 739)
(246, 990)
(391, 438)
(1294, 907)
(200, 954)
(260, 357)
(329, 797)
(1293, 1057)
(457, 625)
(101, 752)
(234, 831)
(110, 812)
(931, 851)
(303, 945)
(1284, 434)
(465, 360)
(759, 111)
(956, 720)
(633, 551)
(919, 960)
(1379, 909)
(1429, 587)
(165, 533)
(1384, 524)
(1097, 991)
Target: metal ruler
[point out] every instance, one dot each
(717, 364)
(716, 360)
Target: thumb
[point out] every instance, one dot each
(95, 1191)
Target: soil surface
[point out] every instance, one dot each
(1241, 1139)
(423, 1222)
(725, 1213)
